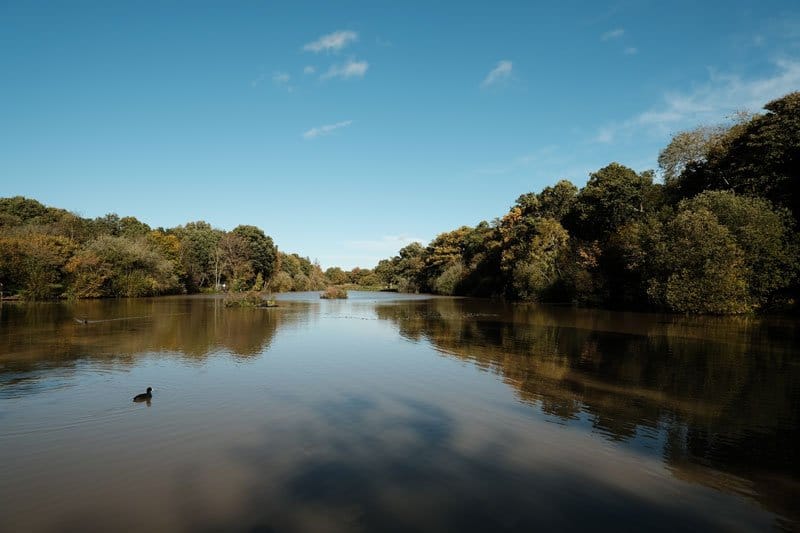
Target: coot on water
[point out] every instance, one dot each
(144, 396)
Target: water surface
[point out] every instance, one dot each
(393, 413)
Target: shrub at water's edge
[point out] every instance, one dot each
(249, 299)
(334, 293)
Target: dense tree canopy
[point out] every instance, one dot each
(258, 249)
(50, 253)
(701, 267)
(614, 196)
(719, 236)
(760, 157)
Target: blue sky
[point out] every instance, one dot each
(348, 129)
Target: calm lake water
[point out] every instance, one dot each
(394, 413)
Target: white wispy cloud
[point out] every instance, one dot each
(613, 34)
(309, 69)
(631, 50)
(327, 129)
(721, 96)
(350, 69)
(332, 42)
(500, 73)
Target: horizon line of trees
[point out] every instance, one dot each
(718, 236)
(48, 253)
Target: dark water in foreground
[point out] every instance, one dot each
(385, 413)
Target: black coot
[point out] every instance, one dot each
(144, 396)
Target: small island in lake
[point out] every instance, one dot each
(334, 293)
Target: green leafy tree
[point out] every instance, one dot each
(90, 276)
(448, 281)
(32, 265)
(290, 264)
(410, 267)
(197, 255)
(687, 148)
(535, 268)
(44, 260)
(369, 279)
(356, 274)
(281, 282)
(309, 268)
(758, 158)
(301, 282)
(481, 257)
(107, 225)
(20, 210)
(702, 270)
(614, 196)
(260, 249)
(443, 252)
(232, 257)
(637, 248)
(71, 226)
(132, 227)
(557, 201)
(121, 267)
(336, 276)
(316, 278)
(762, 233)
(12, 259)
(386, 272)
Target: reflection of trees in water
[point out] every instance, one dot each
(48, 335)
(723, 390)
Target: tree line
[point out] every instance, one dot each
(46, 253)
(718, 235)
